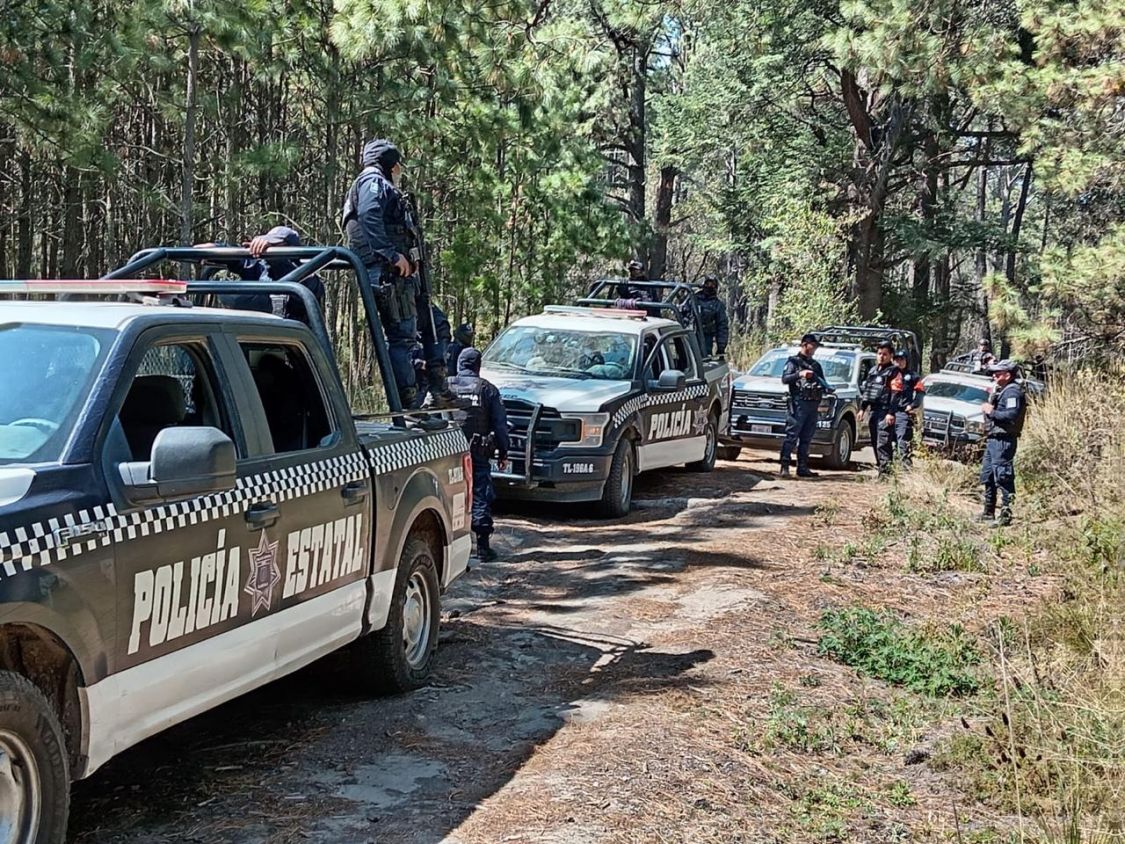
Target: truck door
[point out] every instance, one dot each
(673, 422)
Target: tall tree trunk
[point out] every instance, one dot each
(982, 253)
(638, 134)
(927, 208)
(662, 222)
(72, 221)
(24, 246)
(187, 183)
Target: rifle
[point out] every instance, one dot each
(419, 258)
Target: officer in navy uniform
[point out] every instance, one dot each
(374, 218)
(879, 401)
(628, 292)
(261, 267)
(486, 428)
(805, 378)
(1004, 414)
(418, 355)
(909, 403)
(463, 336)
(713, 318)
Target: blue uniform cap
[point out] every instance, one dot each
(1003, 366)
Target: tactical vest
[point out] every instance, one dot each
(1011, 429)
(709, 315)
(474, 418)
(877, 387)
(805, 389)
(393, 220)
(909, 387)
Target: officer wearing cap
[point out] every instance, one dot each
(805, 378)
(713, 318)
(909, 404)
(463, 336)
(486, 428)
(374, 218)
(261, 267)
(627, 291)
(879, 399)
(1004, 414)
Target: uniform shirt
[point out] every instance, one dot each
(375, 218)
(791, 375)
(910, 398)
(713, 319)
(1010, 408)
(882, 388)
(487, 416)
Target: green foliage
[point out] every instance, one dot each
(937, 663)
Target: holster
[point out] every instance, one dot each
(483, 446)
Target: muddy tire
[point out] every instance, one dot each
(398, 658)
(617, 495)
(710, 450)
(729, 452)
(34, 766)
(842, 442)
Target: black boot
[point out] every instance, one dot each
(988, 512)
(806, 472)
(784, 471)
(1005, 513)
(484, 552)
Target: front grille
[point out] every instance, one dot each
(938, 424)
(751, 400)
(550, 429)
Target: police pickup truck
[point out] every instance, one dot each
(595, 395)
(188, 511)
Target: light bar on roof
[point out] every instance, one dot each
(605, 313)
(151, 286)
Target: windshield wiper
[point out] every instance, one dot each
(506, 365)
(570, 371)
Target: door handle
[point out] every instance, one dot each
(262, 515)
(355, 492)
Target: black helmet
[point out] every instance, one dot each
(464, 334)
(711, 280)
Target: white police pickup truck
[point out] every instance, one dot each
(188, 511)
(595, 396)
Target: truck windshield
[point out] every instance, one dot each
(568, 354)
(957, 392)
(837, 365)
(45, 374)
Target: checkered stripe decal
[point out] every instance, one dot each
(420, 448)
(654, 399)
(38, 544)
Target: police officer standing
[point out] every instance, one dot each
(374, 218)
(463, 336)
(909, 403)
(1004, 414)
(486, 428)
(879, 400)
(713, 318)
(982, 357)
(627, 290)
(805, 378)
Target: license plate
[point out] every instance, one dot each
(761, 429)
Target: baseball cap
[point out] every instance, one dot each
(1003, 366)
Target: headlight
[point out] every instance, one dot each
(974, 426)
(827, 404)
(593, 428)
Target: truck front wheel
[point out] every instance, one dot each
(842, 440)
(398, 658)
(34, 771)
(617, 496)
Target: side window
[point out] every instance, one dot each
(174, 387)
(864, 368)
(680, 354)
(652, 373)
(291, 397)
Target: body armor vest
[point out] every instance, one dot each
(473, 419)
(877, 387)
(805, 389)
(393, 220)
(997, 399)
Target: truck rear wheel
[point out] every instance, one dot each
(34, 767)
(841, 454)
(617, 496)
(729, 452)
(710, 449)
(398, 658)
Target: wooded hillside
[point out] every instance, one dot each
(923, 161)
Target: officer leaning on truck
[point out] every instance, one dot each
(909, 403)
(485, 424)
(713, 318)
(879, 399)
(805, 378)
(1004, 411)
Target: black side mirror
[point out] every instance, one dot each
(185, 462)
(671, 380)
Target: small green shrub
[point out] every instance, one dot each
(797, 727)
(951, 553)
(880, 645)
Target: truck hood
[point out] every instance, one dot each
(961, 408)
(761, 384)
(575, 395)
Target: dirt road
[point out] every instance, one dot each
(603, 682)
